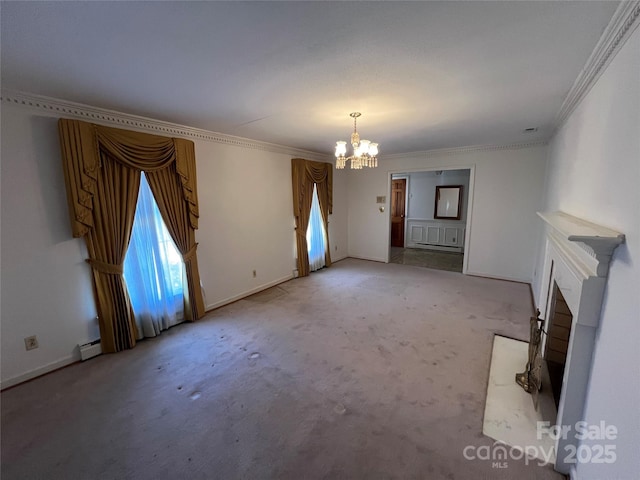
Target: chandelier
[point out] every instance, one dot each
(365, 153)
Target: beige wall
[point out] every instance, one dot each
(247, 221)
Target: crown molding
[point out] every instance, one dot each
(458, 150)
(619, 29)
(62, 108)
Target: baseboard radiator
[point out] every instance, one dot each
(90, 350)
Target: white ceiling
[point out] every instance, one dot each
(424, 75)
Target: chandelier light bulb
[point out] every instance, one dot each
(364, 151)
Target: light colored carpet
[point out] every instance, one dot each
(363, 370)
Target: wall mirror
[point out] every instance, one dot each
(448, 202)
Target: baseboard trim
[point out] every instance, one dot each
(38, 372)
(498, 277)
(240, 296)
(370, 259)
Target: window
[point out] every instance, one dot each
(153, 269)
(316, 237)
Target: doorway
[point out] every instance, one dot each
(398, 201)
(419, 235)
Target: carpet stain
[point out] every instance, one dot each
(384, 352)
(340, 409)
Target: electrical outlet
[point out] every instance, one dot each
(31, 342)
(254, 274)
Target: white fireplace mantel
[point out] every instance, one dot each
(577, 257)
(596, 241)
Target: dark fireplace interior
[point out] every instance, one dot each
(557, 341)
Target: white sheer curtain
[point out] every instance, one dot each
(316, 237)
(153, 269)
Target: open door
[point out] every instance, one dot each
(398, 195)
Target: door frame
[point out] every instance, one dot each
(467, 233)
(406, 204)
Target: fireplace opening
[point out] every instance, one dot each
(557, 344)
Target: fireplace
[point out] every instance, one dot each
(576, 264)
(557, 343)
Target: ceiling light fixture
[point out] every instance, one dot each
(365, 153)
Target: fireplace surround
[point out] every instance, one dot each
(577, 254)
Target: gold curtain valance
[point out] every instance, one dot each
(141, 151)
(81, 145)
(306, 171)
